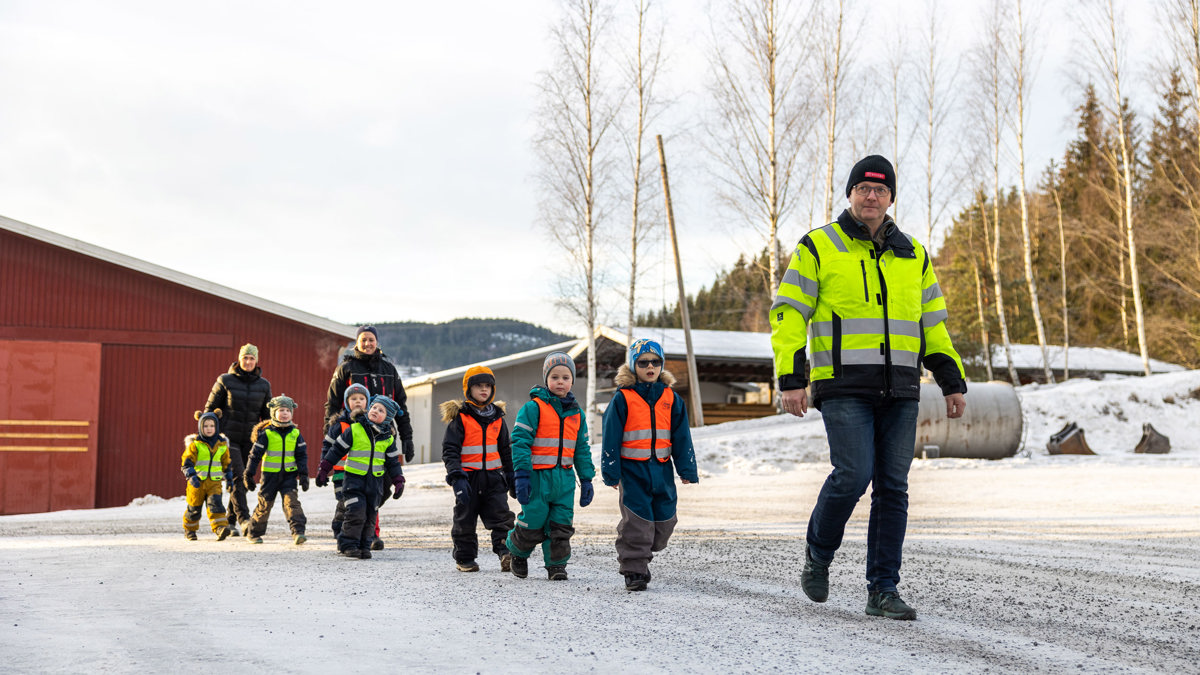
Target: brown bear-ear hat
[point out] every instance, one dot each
(216, 412)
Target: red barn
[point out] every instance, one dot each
(104, 358)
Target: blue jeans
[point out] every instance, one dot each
(870, 442)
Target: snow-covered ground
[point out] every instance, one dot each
(1033, 563)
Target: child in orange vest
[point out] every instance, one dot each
(549, 448)
(645, 433)
(205, 462)
(478, 458)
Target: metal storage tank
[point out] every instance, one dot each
(158, 340)
(990, 428)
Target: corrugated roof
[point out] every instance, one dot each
(510, 360)
(233, 295)
(1091, 359)
(711, 344)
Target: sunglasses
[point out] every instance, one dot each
(649, 363)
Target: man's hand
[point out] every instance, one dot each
(955, 406)
(795, 401)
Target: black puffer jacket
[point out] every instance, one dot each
(242, 397)
(378, 375)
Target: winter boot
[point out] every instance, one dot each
(635, 581)
(349, 553)
(890, 605)
(364, 553)
(189, 535)
(506, 562)
(222, 533)
(233, 531)
(300, 539)
(520, 567)
(814, 578)
(469, 566)
(556, 572)
(253, 539)
(377, 545)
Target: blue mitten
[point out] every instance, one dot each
(586, 493)
(194, 480)
(523, 486)
(462, 491)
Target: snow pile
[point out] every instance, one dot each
(1110, 411)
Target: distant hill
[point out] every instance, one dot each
(438, 346)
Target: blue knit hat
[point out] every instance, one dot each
(643, 346)
(392, 408)
(557, 359)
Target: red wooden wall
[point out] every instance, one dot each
(159, 347)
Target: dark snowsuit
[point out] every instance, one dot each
(362, 494)
(242, 399)
(276, 483)
(488, 496)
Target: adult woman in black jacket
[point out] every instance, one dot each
(368, 366)
(242, 395)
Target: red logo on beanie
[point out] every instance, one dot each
(872, 174)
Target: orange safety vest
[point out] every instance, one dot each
(647, 429)
(341, 465)
(554, 441)
(481, 444)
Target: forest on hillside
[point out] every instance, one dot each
(438, 346)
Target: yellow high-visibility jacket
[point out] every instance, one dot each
(877, 316)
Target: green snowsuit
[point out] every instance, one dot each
(547, 518)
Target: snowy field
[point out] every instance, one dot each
(1029, 564)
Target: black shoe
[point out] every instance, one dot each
(364, 553)
(222, 533)
(349, 552)
(556, 573)
(635, 581)
(814, 579)
(377, 545)
(520, 567)
(890, 605)
(468, 566)
(233, 531)
(190, 536)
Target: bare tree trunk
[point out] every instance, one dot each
(1109, 46)
(1062, 272)
(833, 74)
(984, 334)
(1020, 85)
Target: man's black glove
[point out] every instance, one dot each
(409, 450)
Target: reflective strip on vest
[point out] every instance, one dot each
(366, 454)
(208, 461)
(480, 449)
(554, 440)
(281, 451)
(647, 429)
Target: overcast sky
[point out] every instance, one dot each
(365, 161)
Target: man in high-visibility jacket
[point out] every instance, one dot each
(869, 295)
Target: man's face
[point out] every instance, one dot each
(869, 202)
(366, 342)
(377, 413)
(248, 362)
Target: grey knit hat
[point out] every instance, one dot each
(557, 359)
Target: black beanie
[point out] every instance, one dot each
(874, 168)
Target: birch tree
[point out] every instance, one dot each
(762, 116)
(1021, 81)
(643, 71)
(577, 111)
(1107, 42)
(834, 70)
(993, 102)
(937, 97)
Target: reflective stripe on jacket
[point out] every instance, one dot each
(647, 428)
(366, 454)
(281, 451)
(481, 444)
(877, 315)
(554, 441)
(341, 463)
(208, 459)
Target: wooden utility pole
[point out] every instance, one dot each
(693, 379)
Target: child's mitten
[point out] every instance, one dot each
(462, 491)
(522, 486)
(586, 493)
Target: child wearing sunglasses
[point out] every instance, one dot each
(646, 441)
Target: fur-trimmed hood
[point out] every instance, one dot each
(450, 409)
(187, 441)
(626, 378)
(263, 425)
